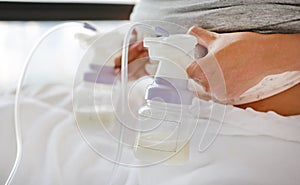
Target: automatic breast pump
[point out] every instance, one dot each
(165, 121)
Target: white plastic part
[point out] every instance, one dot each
(103, 54)
(166, 131)
(95, 104)
(167, 138)
(174, 49)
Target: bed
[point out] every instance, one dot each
(252, 147)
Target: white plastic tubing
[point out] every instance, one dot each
(124, 80)
(18, 130)
(124, 100)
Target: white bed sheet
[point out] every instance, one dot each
(55, 153)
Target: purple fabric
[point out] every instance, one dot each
(169, 90)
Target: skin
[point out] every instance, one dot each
(286, 103)
(244, 58)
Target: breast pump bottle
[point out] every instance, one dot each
(96, 95)
(95, 103)
(165, 121)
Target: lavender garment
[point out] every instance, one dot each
(264, 16)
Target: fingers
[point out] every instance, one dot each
(204, 37)
(133, 37)
(208, 72)
(196, 73)
(134, 52)
(136, 69)
(194, 70)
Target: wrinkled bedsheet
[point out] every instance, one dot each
(253, 148)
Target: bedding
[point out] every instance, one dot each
(252, 148)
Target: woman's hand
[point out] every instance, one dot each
(244, 58)
(136, 51)
(137, 59)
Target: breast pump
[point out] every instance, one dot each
(165, 121)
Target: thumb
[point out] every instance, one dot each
(196, 73)
(204, 37)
